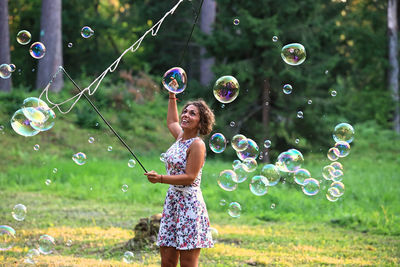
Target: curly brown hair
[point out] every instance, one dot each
(207, 118)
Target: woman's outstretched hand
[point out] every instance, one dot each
(153, 177)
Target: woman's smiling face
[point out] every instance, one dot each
(190, 118)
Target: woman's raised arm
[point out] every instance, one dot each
(173, 117)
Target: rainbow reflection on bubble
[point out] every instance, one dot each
(259, 185)
(23, 37)
(290, 161)
(35, 109)
(236, 163)
(175, 80)
(271, 173)
(226, 180)
(327, 172)
(37, 50)
(131, 163)
(241, 174)
(79, 158)
(250, 164)
(343, 147)
(293, 54)
(87, 32)
(343, 132)
(5, 71)
(21, 125)
(332, 193)
(333, 154)
(239, 142)
(217, 143)
(234, 209)
(47, 124)
(251, 151)
(340, 188)
(7, 235)
(128, 257)
(236, 22)
(287, 89)
(301, 175)
(310, 187)
(337, 175)
(226, 89)
(46, 244)
(337, 165)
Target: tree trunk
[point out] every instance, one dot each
(265, 114)
(50, 24)
(207, 18)
(5, 84)
(393, 75)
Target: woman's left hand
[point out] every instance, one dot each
(153, 177)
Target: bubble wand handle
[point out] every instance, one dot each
(105, 121)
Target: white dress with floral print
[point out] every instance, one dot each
(184, 223)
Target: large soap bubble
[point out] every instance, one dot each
(46, 125)
(272, 174)
(293, 54)
(239, 142)
(259, 185)
(290, 161)
(23, 37)
(217, 143)
(175, 80)
(301, 175)
(21, 125)
(310, 187)
(251, 151)
(37, 50)
(343, 132)
(234, 209)
(5, 71)
(36, 110)
(241, 173)
(226, 180)
(7, 235)
(46, 244)
(226, 89)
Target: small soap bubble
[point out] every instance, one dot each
(309, 102)
(128, 257)
(36, 147)
(333, 154)
(252, 150)
(87, 32)
(267, 143)
(297, 140)
(91, 140)
(239, 142)
(109, 148)
(331, 194)
(46, 244)
(327, 172)
(7, 236)
(162, 157)
(236, 22)
(340, 188)
(175, 80)
(222, 202)
(69, 243)
(131, 163)
(37, 50)
(241, 174)
(79, 158)
(226, 89)
(310, 187)
(13, 67)
(275, 39)
(23, 37)
(273, 206)
(267, 103)
(124, 188)
(236, 163)
(337, 165)
(217, 143)
(287, 89)
(300, 114)
(1, 127)
(214, 234)
(271, 173)
(259, 185)
(5, 71)
(234, 210)
(232, 124)
(226, 180)
(333, 93)
(97, 124)
(326, 72)
(31, 256)
(70, 45)
(301, 175)
(293, 54)
(249, 164)
(19, 212)
(343, 147)
(47, 182)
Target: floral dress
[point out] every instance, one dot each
(184, 223)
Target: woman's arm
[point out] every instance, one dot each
(172, 117)
(195, 161)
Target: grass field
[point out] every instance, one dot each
(85, 204)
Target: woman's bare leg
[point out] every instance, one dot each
(190, 258)
(169, 256)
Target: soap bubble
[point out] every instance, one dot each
(340, 188)
(217, 143)
(301, 175)
(222, 202)
(46, 244)
(290, 161)
(267, 143)
(297, 140)
(234, 209)
(337, 165)
(162, 157)
(91, 140)
(327, 172)
(13, 67)
(310, 187)
(23, 37)
(343, 132)
(251, 151)
(337, 175)
(226, 180)
(236, 22)
(109, 148)
(31, 256)
(175, 80)
(259, 185)
(131, 163)
(19, 212)
(241, 174)
(274, 39)
(300, 114)
(5, 71)
(249, 165)
(79, 158)
(343, 147)
(7, 235)
(124, 188)
(273, 206)
(239, 142)
(36, 147)
(49, 122)
(37, 50)
(226, 89)
(69, 243)
(70, 45)
(333, 154)
(332, 193)
(214, 233)
(333, 93)
(55, 170)
(232, 124)
(293, 54)
(287, 89)
(35, 110)
(236, 163)
(326, 72)
(309, 101)
(272, 174)
(87, 32)
(47, 182)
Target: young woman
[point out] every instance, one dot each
(184, 227)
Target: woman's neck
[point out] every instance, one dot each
(189, 134)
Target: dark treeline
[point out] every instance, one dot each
(346, 44)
